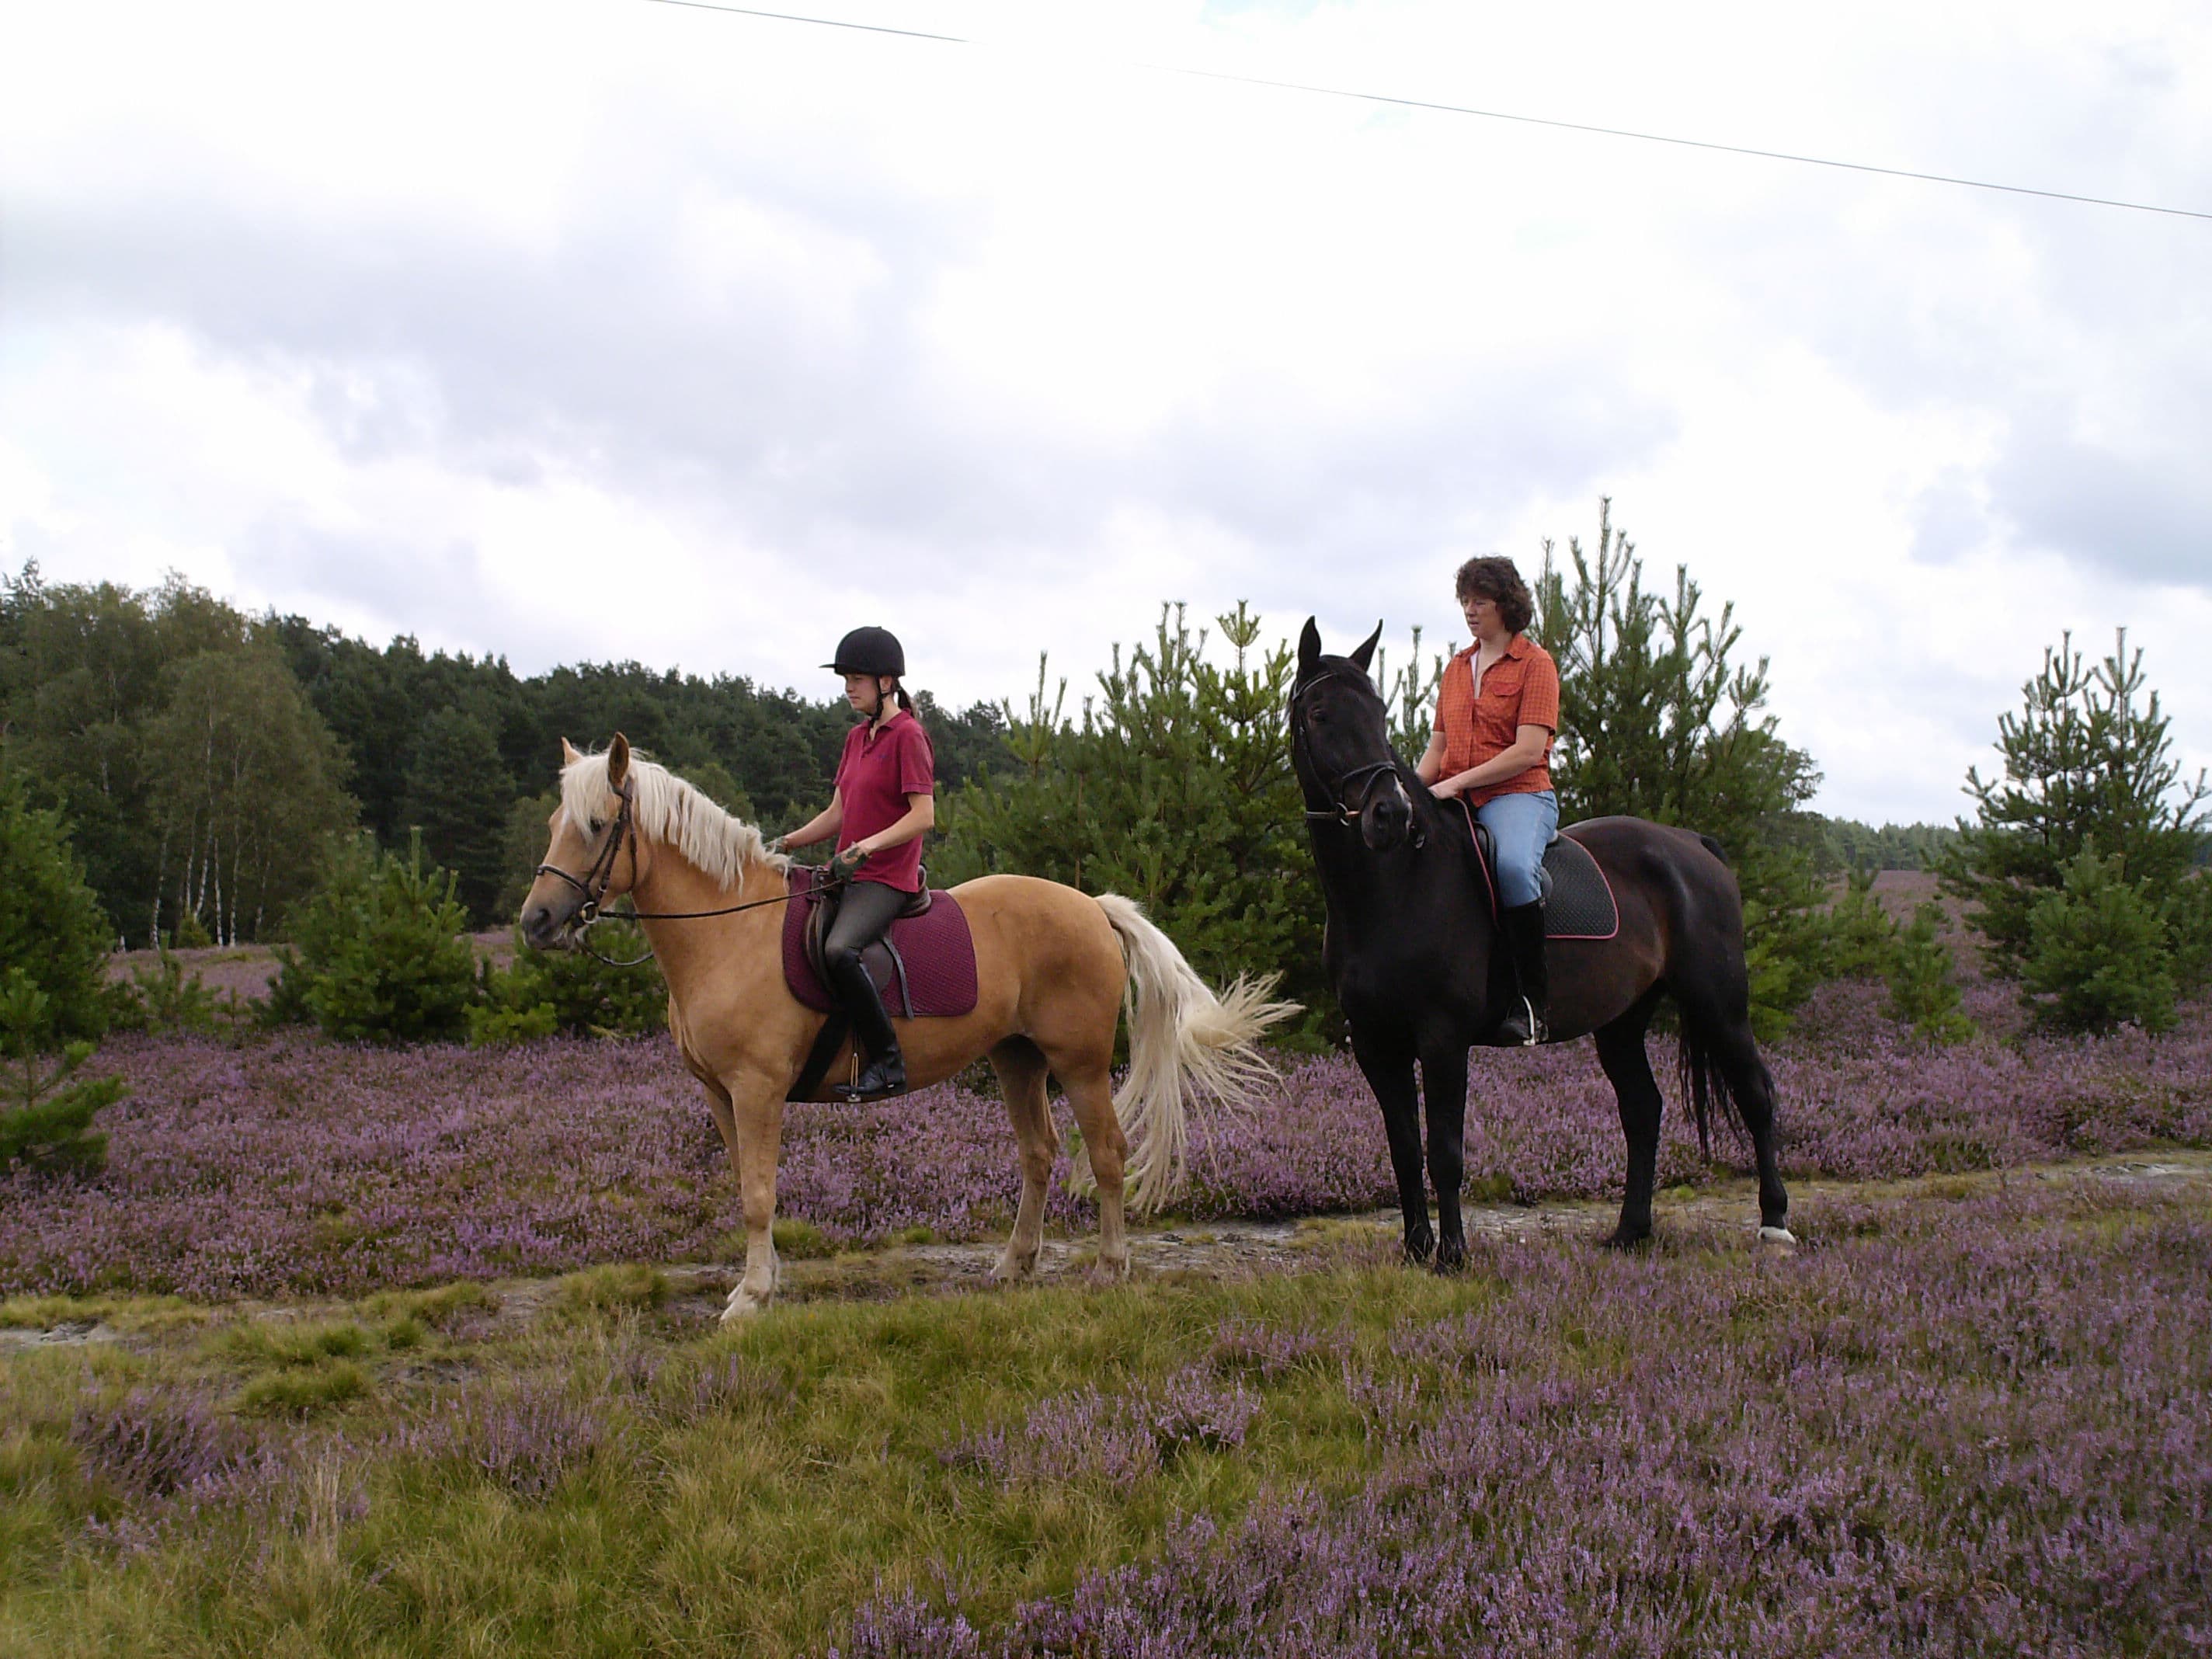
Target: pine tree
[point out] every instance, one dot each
(1174, 788)
(2087, 767)
(2096, 956)
(1656, 721)
(381, 954)
(51, 928)
(45, 1117)
(458, 795)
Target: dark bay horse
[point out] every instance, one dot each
(1413, 950)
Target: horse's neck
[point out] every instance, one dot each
(691, 951)
(1403, 893)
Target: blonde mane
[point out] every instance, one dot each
(667, 810)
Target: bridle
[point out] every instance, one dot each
(1341, 809)
(592, 884)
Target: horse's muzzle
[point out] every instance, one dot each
(1387, 819)
(544, 931)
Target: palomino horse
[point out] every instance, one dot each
(1412, 952)
(1053, 966)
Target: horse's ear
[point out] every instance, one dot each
(1367, 648)
(1308, 649)
(568, 755)
(618, 761)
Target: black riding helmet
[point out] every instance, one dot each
(869, 651)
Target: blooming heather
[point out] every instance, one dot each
(301, 1166)
(1957, 1428)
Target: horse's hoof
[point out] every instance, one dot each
(1624, 1238)
(1448, 1264)
(1782, 1237)
(742, 1305)
(1012, 1269)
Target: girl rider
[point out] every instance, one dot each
(1496, 715)
(883, 799)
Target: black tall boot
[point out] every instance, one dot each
(1524, 926)
(885, 1071)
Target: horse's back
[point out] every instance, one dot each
(1679, 877)
(1032, 921)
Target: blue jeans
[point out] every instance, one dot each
(1521, 827)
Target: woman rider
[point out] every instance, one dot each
(1496, 714)
(884, 798)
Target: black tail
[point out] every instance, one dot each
(1705, 1086)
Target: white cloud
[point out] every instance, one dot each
(630, 331)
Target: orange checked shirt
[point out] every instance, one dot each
(1522, 687)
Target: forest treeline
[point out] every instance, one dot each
(204, 757)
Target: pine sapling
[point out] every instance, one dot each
(45, 1123)
(1922, 992)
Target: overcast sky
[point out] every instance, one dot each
(627, 329)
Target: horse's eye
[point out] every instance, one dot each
(598, 825)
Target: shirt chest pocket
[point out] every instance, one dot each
(1501, 688)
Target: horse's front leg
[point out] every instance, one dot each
(752, 1125)
(1443, 1084)
(1386, 1058)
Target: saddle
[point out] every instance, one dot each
(1579, 902)
(924, 966)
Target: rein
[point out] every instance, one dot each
(592, 884)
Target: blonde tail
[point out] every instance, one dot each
(1181, 1036)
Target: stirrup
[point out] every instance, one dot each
(1524, 1027)
(884, 1075)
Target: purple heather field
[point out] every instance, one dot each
(298, 1166)
(1651, 1459)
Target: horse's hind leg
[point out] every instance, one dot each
(1021, 1068)
(1091, 1095)
(1735, 1052)
(1628, 1068)
(1720, 1020)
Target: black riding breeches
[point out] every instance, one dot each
(865, 912)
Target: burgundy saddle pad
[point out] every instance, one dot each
(925, 967)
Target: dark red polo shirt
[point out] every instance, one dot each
(876, 773)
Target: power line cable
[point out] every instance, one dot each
(1320, 91)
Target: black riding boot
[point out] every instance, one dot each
(1524, 926)
(885, 1071)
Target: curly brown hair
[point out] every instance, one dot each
(1495, 579)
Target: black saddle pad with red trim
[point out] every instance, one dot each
(1579, 902)
(924, 967)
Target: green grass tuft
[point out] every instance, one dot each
(298, 1394)
(799, 1241)
(624, 1287)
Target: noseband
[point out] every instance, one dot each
(1340, 809)
(592, 884)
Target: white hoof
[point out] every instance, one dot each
(1781, 1236)
(742, 1305)
(1012, 1269)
